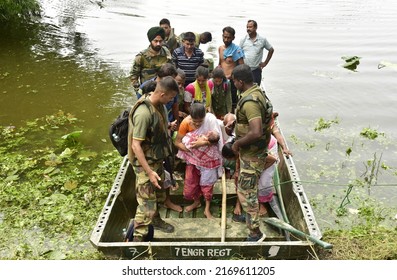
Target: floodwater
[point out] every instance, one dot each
(78, 60)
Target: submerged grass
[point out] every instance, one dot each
(52, 190)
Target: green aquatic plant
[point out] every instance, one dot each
(369, 179)
(370, 133)
(322, 124)
(18, 10)
(50, 195)
(72, 138)
(351, 62)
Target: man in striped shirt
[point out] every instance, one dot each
(188, 57)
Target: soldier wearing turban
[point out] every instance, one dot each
(145, 66)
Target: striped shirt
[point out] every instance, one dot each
(188, 65)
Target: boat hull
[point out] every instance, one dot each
(196, 237)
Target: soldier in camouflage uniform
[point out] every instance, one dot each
(148, 62)
(253, 112)
(148, 138)
(170, 40)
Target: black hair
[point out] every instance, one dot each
(168, 84)
(149, 86)
(230, 30)
(243, 73)
(207, 36)
(214, 139)
(181, 73)
(197, 110)
(218, 73)
(167, 69)
(189, 36)
(227, 151)
(165, 21)
(202, 71)
(253, 22)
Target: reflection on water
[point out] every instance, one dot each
(79, 58)
(55, 67)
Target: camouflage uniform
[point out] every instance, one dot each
(172, 41)
(221, 99)
(148, 197)
(156, 150)
(252, 157)
(146, 64)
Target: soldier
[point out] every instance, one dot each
(171, 40)
(148, 62)
(148, 149)
(254, 114)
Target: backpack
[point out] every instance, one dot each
(118, 132)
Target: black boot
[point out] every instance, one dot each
(160, 224)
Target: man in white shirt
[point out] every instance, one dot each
(253, 45)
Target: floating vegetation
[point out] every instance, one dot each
(324, 124)
(351, 62)
(50, 195)
(370, 133)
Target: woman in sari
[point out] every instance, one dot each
(202, 156)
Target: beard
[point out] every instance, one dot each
(156, 48)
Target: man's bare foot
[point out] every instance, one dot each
(237, 208)
(193, 206)
(169, 204)
(262, 210)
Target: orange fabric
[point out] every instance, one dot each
(185, 126)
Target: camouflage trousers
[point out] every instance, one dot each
(247, 191)
(148, 198)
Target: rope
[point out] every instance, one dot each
(332, 184)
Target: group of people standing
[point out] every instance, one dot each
(188, 111)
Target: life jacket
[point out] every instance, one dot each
(150, 64)
(157, 145)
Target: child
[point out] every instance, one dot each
(180, 80)
(221, 97)
(200, 90)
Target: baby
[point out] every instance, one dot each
(206, 158)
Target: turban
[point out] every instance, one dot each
(154, 32)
